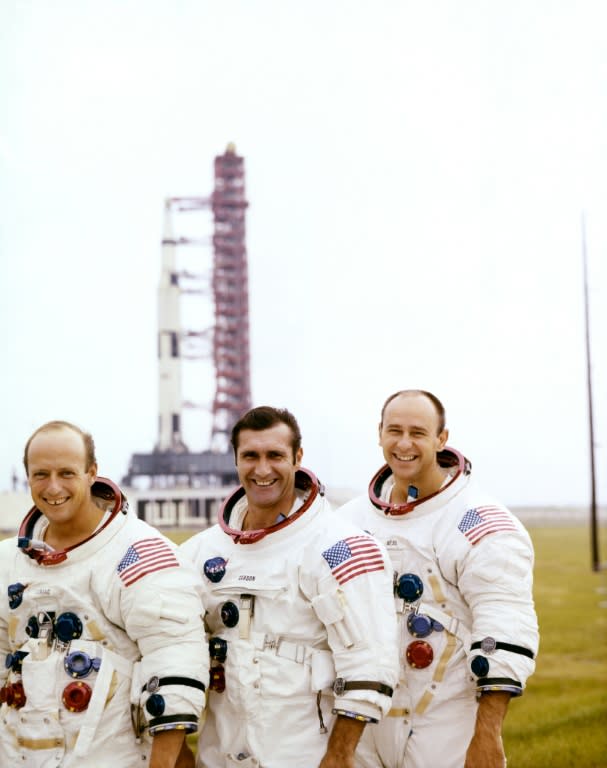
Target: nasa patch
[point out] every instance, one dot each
(215, 569)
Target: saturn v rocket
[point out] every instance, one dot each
(224, 343)
(169, 344)
(229, 349)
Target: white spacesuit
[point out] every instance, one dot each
(99, 640)
(463, 594)
(302, 626)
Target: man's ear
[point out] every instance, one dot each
(298, 457)
(92, 474)
(442, 439)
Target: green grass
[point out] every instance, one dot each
(561, 720)
(179, 536)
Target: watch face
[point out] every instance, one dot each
(488, 645)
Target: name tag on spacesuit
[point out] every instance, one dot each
(247, 606)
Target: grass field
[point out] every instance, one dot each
(561, 720)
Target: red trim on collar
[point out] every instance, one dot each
(304, 481)
(448, 457)
(102, 488)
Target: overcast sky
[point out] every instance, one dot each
(416, 173)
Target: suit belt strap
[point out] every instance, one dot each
(40, 743)
(293, 651)
(450, 623)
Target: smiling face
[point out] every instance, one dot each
(410, 439)
(60, 482)
(266, 470)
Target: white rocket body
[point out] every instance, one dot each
(169, 346)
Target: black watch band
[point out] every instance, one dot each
(154, 683)
(489, 645)
(340, 685)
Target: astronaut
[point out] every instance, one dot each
(101, 629)
(299, 611)
(463, 595)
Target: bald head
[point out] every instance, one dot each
(433, 400)
(57, 426)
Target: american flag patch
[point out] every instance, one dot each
(478, 522)
(143, 557)
(352, 557)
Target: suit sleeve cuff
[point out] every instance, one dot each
(357, 707)
(489, 684)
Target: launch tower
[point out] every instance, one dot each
(219, 286)
(231, 295)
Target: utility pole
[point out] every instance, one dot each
(594, 540)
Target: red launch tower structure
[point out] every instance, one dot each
(231, 297)
(172, 464)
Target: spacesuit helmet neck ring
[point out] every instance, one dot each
(448, 458)
(305, 480)
(109, 495)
